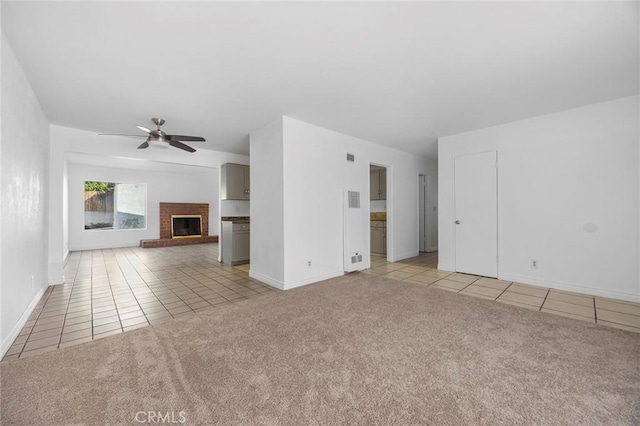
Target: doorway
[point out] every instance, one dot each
(476, 213)
(424, 214)
(378, 208)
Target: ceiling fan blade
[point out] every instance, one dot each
(126, 136)
(181, 146)
(144, 145)
(144, 129)
(185, 138)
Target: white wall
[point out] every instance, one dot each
(193, 185)
(234, 208)
(66, 141)
(403, 170)
(557, 173)
(315, 174)
(24, 158)
(314, 181)
(267, 205)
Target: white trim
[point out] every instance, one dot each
(289, 286)
(282, 286)
(569, 287)
(267, 280)
(106, 247)
(15, 331)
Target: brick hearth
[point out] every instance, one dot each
(178, 241)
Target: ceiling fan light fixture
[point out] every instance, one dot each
(159, 142)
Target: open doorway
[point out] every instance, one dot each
(378, 209)
(426, 214)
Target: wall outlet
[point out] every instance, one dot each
(534, 263)
(308, 264)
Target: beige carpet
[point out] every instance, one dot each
(353, 350)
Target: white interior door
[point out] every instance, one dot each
(476, 214)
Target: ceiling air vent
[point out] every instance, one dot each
(354, 199)
(351, 157)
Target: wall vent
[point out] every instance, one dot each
(354, 230)
(354, 199)
(351, 157)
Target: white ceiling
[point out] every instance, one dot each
(398, 74)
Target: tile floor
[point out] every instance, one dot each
(116, 290)
(422, 270)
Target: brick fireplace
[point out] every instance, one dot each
(169, 209)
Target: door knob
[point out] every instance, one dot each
(457, 222)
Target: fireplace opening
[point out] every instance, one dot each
(186, 226)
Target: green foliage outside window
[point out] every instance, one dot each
(115, 206)
(98, 186)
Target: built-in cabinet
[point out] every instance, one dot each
(235, 242)
(378, 184)
(379, 236)
(235, 183)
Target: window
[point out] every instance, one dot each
(109, 205)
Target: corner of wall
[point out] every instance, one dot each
(19, 324)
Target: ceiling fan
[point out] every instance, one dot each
(159, 139)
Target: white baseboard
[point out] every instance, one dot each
(267, 280)
(105, 246)
(15, 331)
(317, 278)
(288, 286)
(570, 287)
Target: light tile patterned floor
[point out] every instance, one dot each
(422, 270)
(116, 290)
